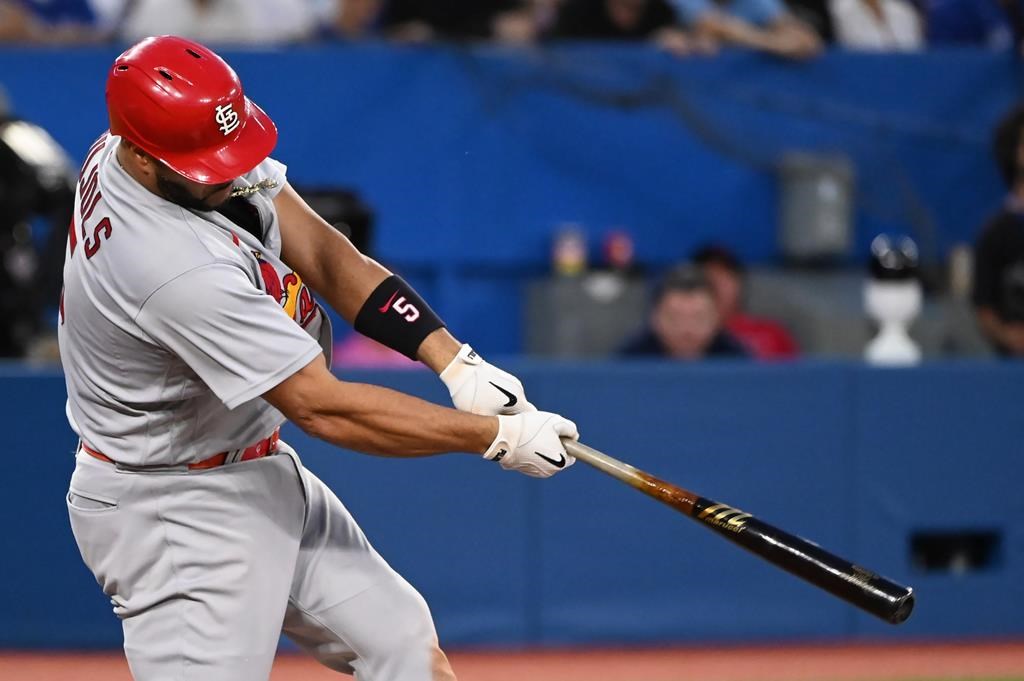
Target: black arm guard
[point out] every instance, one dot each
(397, 317)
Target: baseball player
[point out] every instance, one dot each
(189, 332)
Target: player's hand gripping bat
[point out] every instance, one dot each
(854, 584)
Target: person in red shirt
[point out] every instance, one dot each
(766, 338)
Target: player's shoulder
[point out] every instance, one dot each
(177, 242)
(151, 241)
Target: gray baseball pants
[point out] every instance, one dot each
(207, 568)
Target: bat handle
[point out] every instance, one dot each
(599, 460)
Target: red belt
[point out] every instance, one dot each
(260, 449)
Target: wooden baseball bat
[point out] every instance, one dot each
(856, 585)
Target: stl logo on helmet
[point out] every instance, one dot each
(226, 118)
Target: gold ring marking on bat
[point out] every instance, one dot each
(740, 520)
(711, 509)
(727, 512)
(716, 515)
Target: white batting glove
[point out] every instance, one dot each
(482, 388)
(530, 443)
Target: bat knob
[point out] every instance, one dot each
(904, 606)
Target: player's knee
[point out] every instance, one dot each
(410, 629)
(402, 644)
(415, 625)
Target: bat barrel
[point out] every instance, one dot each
(854, 584)
(858, 586)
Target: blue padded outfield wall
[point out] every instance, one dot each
(856, 459)
(473, 157)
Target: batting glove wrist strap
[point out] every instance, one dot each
(395, 315)
(461, 368)
(509, 431)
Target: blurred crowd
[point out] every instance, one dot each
(697, 312)
(697, 309)
(787, 28)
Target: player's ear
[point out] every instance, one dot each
(140, 158)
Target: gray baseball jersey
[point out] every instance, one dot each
(171, 329)
(171, 320)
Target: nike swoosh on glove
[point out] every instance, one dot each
(481, 388)
(531, 443)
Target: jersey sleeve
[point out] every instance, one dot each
(236, 338)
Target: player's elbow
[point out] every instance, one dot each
(300, 397)
(299, 413)
(318, 415)
(313, 423)
(302, 407)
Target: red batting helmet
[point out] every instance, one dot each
(184, 105)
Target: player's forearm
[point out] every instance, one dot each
(348, 279)
(436, 350)
(439, 349)
(325, 258)
(380, 421)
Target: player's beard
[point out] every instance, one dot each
(179, 194)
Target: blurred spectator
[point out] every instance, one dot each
(878, 25)
(999, 251)
(684, 322)
(545, 14)
(235, 22)
(418, 21)
(17, 23)
(351, 19)
(766, 338)
(995, 24)
(651, 20)
(758, 24)
(51, 21)
(814, 13)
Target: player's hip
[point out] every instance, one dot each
(105, 486)
(131, 526)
